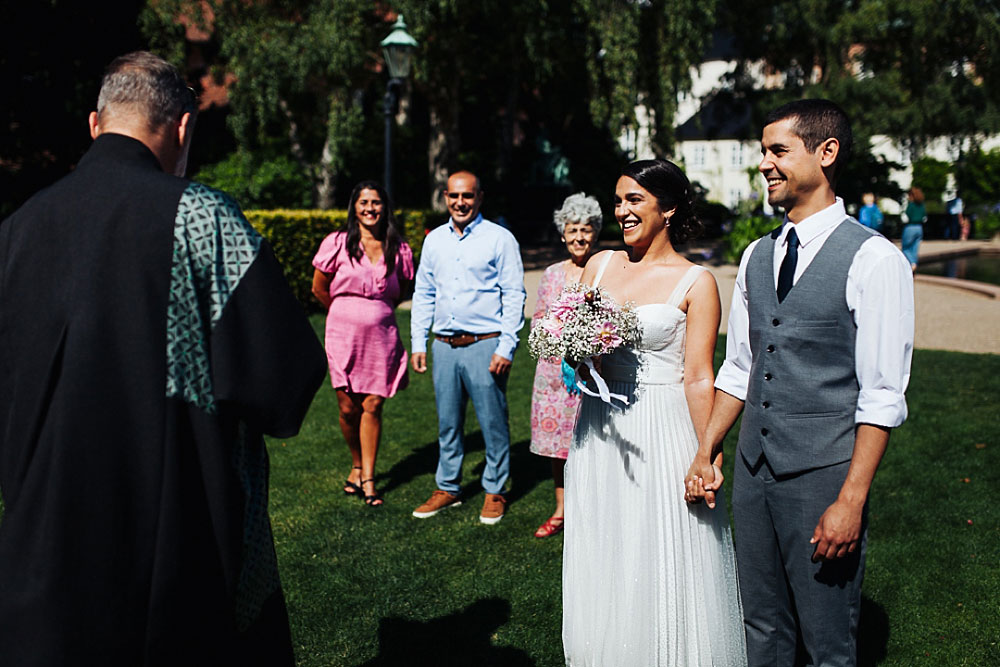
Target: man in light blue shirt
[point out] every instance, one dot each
(470, 293)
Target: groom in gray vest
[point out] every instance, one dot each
(817, 359)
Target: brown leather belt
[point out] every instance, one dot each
(463, 339)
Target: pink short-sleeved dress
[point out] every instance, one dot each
(363, 346)
(553, 408)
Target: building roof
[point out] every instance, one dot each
(724, 116)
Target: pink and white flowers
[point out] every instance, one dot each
(583, 322)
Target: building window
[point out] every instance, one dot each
(735, 197)
(698, 155)
(736, 155)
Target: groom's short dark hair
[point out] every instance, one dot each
(814, 121)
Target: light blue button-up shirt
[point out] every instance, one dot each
(473, 283)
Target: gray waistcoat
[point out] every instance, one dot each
(803, 389)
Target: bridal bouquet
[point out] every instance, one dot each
(584, 322)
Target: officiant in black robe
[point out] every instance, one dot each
(147, 341)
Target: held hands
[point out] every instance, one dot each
(838, 531)
(702, 481)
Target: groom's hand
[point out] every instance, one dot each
(837, 532)
(702, 481)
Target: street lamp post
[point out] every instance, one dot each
(398, 49)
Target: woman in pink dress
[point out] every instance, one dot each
(362, 273)
(553, 408)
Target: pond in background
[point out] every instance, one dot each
(981, 268)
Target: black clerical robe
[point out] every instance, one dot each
(147, 341)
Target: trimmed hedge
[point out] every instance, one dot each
(295, 235)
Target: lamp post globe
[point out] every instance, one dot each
(397, 47)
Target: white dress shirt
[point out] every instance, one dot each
(880, 297)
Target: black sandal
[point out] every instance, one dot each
(352, 489)
(374, 500)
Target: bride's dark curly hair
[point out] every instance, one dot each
(672, 189)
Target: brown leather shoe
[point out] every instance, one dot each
(493, 508)
(438, 501)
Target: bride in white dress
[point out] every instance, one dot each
(649, 576)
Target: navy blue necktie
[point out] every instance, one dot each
(787, 271)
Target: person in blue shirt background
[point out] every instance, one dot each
(470, 292)
(869, 215)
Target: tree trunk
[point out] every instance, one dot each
(326, 184)
(443, 144)
(323, 182)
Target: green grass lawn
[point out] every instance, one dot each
(372, 586)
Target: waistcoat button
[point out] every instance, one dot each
(766, 404)
(767, 376)
(763, 431)
(770, 348)
(775, 321)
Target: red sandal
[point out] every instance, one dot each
(552, 526)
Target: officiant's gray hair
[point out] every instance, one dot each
(579, 208)
(144, 84)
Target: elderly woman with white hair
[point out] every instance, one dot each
(553, 407)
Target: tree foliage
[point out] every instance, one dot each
(931, 176)
(493, 80)
(914, 70)
(979, 179)
(296, 65)
(911, 69)
(259, 183)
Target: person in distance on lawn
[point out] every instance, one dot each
(470, 293)
(147, 341)
(362, 273)
(553, 406)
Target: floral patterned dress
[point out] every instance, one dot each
(553, 408)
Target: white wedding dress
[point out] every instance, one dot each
(647, 578)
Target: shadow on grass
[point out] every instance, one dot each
(526, 469)
(460, 639)
(419, 461)
(873, 636)
(873, 633)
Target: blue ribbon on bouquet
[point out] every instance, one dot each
(569, 378)
(603, 392)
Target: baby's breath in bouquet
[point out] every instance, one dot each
(584, 322)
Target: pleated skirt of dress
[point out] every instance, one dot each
(647, 578)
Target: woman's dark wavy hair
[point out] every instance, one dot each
(386, 230)
(672, 189)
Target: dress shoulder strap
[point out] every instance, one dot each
(604, 265)
(688, 279)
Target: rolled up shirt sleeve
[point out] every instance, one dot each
(880, 285)
(734, 375)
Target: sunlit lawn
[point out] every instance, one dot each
(376, 587)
